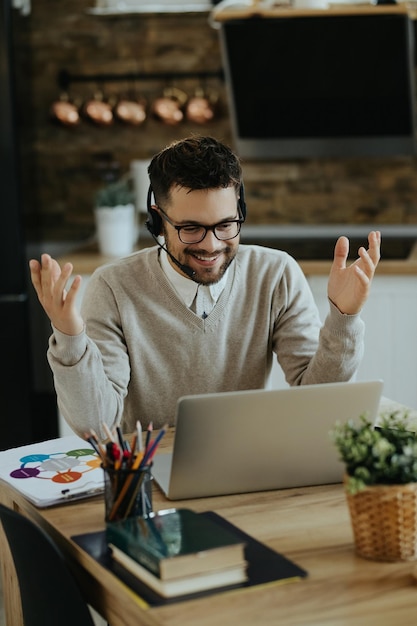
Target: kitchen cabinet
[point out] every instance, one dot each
(390, 315)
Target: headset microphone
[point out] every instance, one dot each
(184, 268)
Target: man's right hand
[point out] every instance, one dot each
(59, 304)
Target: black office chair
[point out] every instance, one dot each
(49, 592)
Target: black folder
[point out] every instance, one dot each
(264, 564)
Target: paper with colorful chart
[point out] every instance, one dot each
(54, 471)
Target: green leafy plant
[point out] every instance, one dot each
(115, 194)
(373, 456)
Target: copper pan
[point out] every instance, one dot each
(99, 111)
(65, 112)
(131, 111)
(168, 107)
(200, 108)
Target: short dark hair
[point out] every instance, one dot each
(195, 162)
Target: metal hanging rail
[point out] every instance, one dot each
(65, 78)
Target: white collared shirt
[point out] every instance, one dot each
(187, 289)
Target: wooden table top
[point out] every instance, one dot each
(310, 525)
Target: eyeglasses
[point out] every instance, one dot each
(194, 233)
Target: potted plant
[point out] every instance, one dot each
(381, 485)
(115, 218)
(115, 194)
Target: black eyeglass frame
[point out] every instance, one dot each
(239, 222)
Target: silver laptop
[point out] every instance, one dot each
(243, 441)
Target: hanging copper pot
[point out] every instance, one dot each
(99, 111)
(200, 108)
(131, 111)
(168, 107)
(65, 112)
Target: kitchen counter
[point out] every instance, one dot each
(87, 258)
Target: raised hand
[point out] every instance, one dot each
(348, 287)
(50, 281)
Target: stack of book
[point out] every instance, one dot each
(178, 552)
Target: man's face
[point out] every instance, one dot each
(209, 258)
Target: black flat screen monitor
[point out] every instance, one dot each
(321, 86)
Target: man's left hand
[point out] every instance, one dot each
(348, 287)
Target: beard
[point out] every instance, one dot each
(202, 275)
(211, 275)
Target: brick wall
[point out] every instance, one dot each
(61, 166)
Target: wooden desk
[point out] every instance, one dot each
(309, 525)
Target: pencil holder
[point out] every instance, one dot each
(127, 493)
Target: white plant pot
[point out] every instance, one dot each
(116, 229)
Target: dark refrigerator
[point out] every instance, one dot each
(16, 419)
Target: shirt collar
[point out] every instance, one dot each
(185, 287)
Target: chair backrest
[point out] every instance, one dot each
(49, 592)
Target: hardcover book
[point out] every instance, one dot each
(182, 585)
(177, 543)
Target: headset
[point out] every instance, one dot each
(154, 220)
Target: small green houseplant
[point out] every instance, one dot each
(373, 456)
(115, 194)
(381, 485)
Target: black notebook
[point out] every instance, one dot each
(264, 564)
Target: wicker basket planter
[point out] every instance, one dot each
(384, 522)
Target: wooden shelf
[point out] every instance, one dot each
(257, 9)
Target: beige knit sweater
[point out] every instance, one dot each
(143, 348)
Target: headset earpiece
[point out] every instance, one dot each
(154, 220)
(241, 201)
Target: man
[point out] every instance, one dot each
(197, 313)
